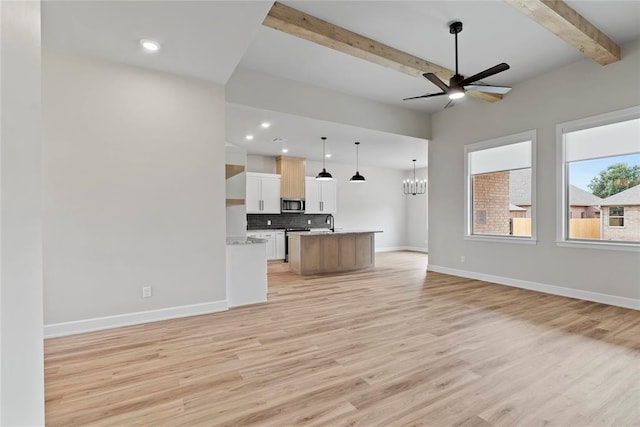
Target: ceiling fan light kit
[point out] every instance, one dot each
(324, 175)
(456, 94)
(458, 84)
(357, 178)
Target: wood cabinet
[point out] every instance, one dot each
(263, 193)
(291, 170)
(314, 253)
(320, 196)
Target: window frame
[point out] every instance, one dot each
(615, 216)
(529, 135)
(562, 180)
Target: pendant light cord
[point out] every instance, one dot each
(324, 155)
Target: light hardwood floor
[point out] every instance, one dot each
(389, 346)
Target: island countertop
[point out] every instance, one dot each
(317, 252)
(330, 233)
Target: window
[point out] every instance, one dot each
(500, 189)
(599, 178)
(616, 217)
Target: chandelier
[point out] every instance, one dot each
(414, 186)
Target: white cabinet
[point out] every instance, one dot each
(279, 244)
(263, 193)
(328, 196)
(320, 196)
(270, 237)
(311, 195)
(275, 242)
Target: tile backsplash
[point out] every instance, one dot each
(280, 221)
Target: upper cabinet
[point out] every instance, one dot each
(263, 193)
(291, 170)
(320, 196)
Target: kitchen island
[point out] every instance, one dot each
(316, 252)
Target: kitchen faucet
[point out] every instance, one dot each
(329, 220)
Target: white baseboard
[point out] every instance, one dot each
(128, 319)
(402, 248)
(416, 249)
(246, 303)
(541, 287)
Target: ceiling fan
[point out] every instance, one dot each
(458, 84)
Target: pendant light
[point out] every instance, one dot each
(324, 175)
(414, 186)
(357, 178)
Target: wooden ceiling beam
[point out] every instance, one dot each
(563, 21)
(307, 27)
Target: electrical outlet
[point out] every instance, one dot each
(146, 292)
(462, 258)
(268, 222)
(308, 222)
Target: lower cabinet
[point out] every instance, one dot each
(270, 237)
(275, 242)
(279, 244)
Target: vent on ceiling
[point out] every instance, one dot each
(279, 140)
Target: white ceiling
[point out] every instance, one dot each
(208, 39)
(302, 138)
(493, 32)
(203, 39)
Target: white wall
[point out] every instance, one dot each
(134, 189)
(416, 216)
(21, 350)
(261, 164)
(273, 93)
(579, 90)
(378, 204)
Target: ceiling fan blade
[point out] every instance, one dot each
(436, 81)
(424, 96)
(488, 88)
(484, 74)
(451, 103)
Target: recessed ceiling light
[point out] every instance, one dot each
(265, 124)
(328, 155)
(150, 45)
(249, 137)
(285, 150)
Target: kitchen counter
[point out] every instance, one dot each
(244, 240)
(329, 232)
(317, 252)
